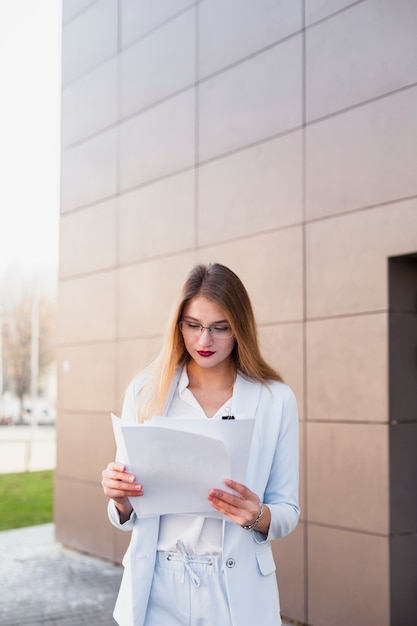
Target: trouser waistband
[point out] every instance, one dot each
(194, 564)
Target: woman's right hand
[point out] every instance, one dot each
(119, 485)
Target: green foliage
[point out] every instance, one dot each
(26, 499)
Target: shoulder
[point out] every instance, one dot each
(278, 394)
(279, 389)
(135, 387)
(253, 396)
(134, 390)
(274, 387)
(137, 384)
(130, 400)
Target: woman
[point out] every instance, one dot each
(205, 571)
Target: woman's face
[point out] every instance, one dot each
(207, 351)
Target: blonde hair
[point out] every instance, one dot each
(219, 284)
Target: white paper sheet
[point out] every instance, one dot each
(179, 461)
(235, 434)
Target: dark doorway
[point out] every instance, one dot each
(402, 324)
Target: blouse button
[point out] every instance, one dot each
(230, 563)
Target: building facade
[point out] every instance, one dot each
(277, 137)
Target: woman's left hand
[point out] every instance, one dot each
(243, 508)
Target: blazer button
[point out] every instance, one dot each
(230, 563)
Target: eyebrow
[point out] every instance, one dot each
(194, 319)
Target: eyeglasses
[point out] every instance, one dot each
(222, 331)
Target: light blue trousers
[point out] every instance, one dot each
(188, 590)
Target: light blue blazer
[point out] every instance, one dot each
(272, 473)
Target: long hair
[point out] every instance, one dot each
(219, 284)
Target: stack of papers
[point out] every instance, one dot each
(178, 461)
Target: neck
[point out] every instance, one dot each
(221, 377)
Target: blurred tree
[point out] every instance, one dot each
(17, 345)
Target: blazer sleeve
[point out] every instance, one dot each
(281, 493)
(128, 417)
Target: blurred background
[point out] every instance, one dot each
(30, 67)
(275, 136)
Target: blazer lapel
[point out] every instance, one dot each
(246, 401)
(246, 396)
(172, 390)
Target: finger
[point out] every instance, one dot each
(116, 493)
(115, 468)
(118, 484)
(235, 507)
(245, 500)
(112, 472)
(123, 487)
(115, 465)
(224, 508)
(242, 490)
(229, 511)
(228, 498)
(231, 506)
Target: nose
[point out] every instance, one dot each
(205, 337)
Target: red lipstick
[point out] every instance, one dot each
(204, 353)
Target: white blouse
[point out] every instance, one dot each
(201, 535)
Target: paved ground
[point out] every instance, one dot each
(44, 584)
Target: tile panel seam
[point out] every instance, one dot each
(77, 15)
(347, 529)
(332, 15)
(303, 126)
(203, 79)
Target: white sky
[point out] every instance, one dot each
(30, 67)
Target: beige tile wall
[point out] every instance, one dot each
(157, 219)
(316, 10)
(283, 347)
(348, 476)
(87, 239)
(347, 365)
(271, 259)
(140, 18)
(133, 355)
(86, 376)
(162, 63)
(159, 142)
(228, 46)
(348, 576)
(143, 310)
(89, 104)
(250, 191)
(79, 430)
(345, 167)
(355, 57)
(84, 46)
(347, 258)
(242, 105)
(89, 171)
(280, 139)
